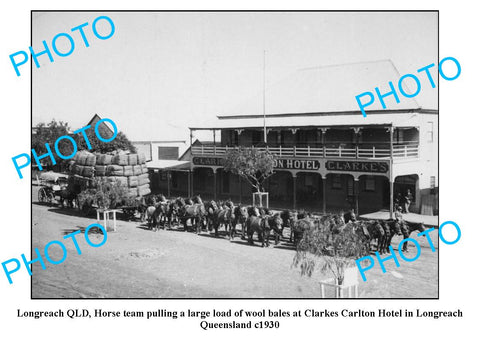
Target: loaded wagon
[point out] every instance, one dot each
(52, 187)
(118, 180)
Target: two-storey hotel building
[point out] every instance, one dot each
(328, 156)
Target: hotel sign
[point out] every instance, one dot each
(308, 164)
(297, 164)
(212, 161)
(374, 167)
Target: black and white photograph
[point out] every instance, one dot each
(238, 169)
(236, 154)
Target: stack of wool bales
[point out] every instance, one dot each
(84, 164)
(129, 169)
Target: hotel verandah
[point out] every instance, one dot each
(329, 157)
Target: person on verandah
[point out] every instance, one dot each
(408, 200)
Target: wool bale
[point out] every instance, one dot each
(141, 158)
(88, 171)
(123, 181)
(77, 169)
(100, 159)
(144, 169)
(114, 170)
(143, 190)
(132, 192)
(91, 160)
(120, 159)
(107, 160)
(132, 159)
(82, 158)
(127, 170)
(133, 181)
(100, 170)
(120, 179)
(137, 170)
(143, 179)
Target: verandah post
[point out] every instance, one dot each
(390, 171)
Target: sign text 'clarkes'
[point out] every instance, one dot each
(377, 167)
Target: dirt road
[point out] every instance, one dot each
(138, 263)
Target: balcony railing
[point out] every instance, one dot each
(399, 151)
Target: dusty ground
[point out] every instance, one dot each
(138, 263)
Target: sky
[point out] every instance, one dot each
(161, 72)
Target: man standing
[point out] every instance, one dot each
(408, 200)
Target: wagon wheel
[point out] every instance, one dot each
(51, 197)
(42, 195)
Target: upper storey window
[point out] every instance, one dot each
(430, 132)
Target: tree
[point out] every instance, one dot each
(252, 164)
(121, 142)
(49, 133)
(103, 194)
(334, 245)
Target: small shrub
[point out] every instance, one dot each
(332, 244)
(104, 194)
(252, 164)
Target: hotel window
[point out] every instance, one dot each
(163, 176)
(225, 182)
(308, 180)
(336, 182)
(430, 132)
(369, 183)
(257, 137)
(235, 138)
(399, 135)
(350, 191)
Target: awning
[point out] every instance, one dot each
(409, 119)
(167, 164)
(52, 176)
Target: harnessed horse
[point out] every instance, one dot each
(407, 228)
(194, 212)
(289, 217)
(391, 228)
(373, 230)
(224, 216)
(241, 216)
(262, 226)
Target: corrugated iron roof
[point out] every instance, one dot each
(347, 120)
(165, 164)
(324, 96)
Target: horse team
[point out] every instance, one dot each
(212, 215)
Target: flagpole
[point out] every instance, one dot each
(264, 116)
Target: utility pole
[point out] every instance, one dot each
(264, 116)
